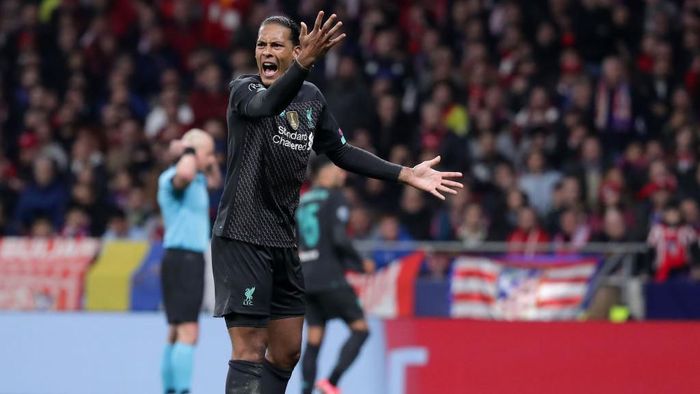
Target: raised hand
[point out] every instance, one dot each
(317, 42)
(424, 177)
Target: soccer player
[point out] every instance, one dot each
(275, 119)
(184, 203)
(326, 253)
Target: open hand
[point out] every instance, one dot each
(424, 177)
(316, 43)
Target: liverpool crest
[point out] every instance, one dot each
(293, 119)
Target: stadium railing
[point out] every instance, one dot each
(618, 280)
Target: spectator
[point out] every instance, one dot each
(674, 245)
(45, 196)
(447, 220)
(656, 92)
(614, 112)
(208, 99)
(347, 96)
(538, 182)
(76, 223)
(505, 220)
(474, 228)
(566, 195)
(614, 228)
(436, 266)
(391, 127)
(414, 214)
(574, 232)
(528, 237)
(684, 155)
(118, 228)
(169, 110)
(691, 213)
(589, 169)
(389, 230)
(42, 227)
(360, 223)
(539, 112)
(486, 157)
(655, 194)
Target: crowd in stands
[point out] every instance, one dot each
(573, 121)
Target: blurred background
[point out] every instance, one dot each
(574, 122)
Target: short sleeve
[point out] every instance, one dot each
(329, 136)
(165, 183)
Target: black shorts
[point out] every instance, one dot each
(254, 283)
(330, 304)
(182, 284)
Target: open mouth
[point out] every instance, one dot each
(269, 69)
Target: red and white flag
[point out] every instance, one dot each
(532, 289)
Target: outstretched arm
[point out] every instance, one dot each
(422, 176)
(359, 161)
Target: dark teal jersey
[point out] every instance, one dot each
(325, 250)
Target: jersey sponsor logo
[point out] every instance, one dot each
(299, 141)
(293, 119)
(255, 87)
(248, 301)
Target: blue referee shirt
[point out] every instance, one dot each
(185, 212)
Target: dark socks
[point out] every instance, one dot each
(348, 354)
(244, 377)
(274, 379)
(308, 368)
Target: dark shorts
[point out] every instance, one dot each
(337, 303)
(182, 284)
(254, 283)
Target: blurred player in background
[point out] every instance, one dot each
(326, 252)
(184, 203)
(275, 119)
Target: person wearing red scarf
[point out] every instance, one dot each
(526, 238)
(672, 241)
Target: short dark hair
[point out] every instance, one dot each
(286, 22)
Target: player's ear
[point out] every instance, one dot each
(297, 50)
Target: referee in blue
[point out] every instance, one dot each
(184, 203)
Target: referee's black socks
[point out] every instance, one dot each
(244, 377)
(274, 379)
(348, 354)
